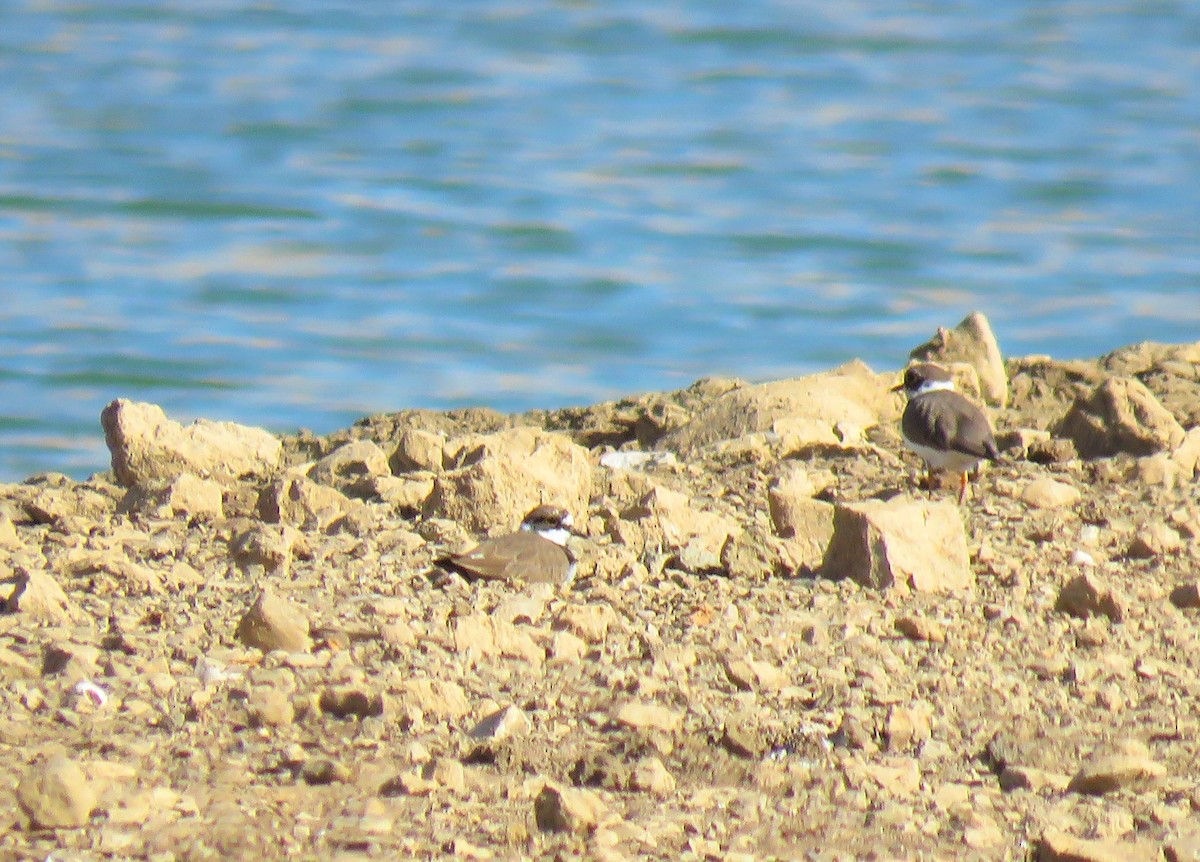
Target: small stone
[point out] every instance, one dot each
(1154, 540)
(650, 716)
(269, 707)
(588, 622)
(908, 726)
(501, 724)
(564, 809)
(1186, 596)
(749, 675)
(1128, 766)
(56, 794)
(921, 629)
(1086, 595)
(435, 697)
(273, 623)
(351, 701)
(320, 771)
(652, 776)
(1030, 778)
(1047, 493)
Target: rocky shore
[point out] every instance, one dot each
(236, 646)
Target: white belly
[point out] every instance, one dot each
(939, 459)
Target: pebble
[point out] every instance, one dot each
(648, 716)
(1130, 765)
(568, 809)
(1087, 594)
(1047, 493)
(273, 623)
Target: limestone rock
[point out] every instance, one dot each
(352, 701)
(795, 515)
(1186, 595)
(56, 794)
(589, 622)
(652, 776)
(651, 716)
(146, 446)
(38, 596)
(352, 468)
(1047, 493)
(273, 623)
(264, 545)
(185, 495)
(436, 697)
(568, 809)
(302, 503)
(1187, 454)
(851, 396)
(1129, 765)
(1120, 416)
(1154, 540)
(418, 451)
(900, 544)
(269, 706)
(1031, 778)
(1058, 846)
(1088, 595)
(486, 636)
(974, 343)
(751, 675)
(502, 476)
(505, 723)
(667, 519)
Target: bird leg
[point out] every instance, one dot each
(963, 483)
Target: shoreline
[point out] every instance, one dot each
(776, 646)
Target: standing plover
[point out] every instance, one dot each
(535, 553)
(943, 426)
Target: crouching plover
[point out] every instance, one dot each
(943, 426)
(535, 553)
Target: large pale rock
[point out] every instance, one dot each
(502, 476)
(901, 544)
(187, 495)
(1120, 416)
(797, 516)
(418, 451)
(56, 794)
(38, 596)
(974, 343)
(820, 408)
(352, 468)
(273, 623)
(147, 447)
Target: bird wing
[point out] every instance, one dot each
(958, 424)
(505, 557)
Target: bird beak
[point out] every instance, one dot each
(898, 387)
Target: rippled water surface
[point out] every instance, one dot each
(292, 214)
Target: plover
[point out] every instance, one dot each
(943, 426)
(537, 552)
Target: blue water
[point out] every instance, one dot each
(292, 214)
